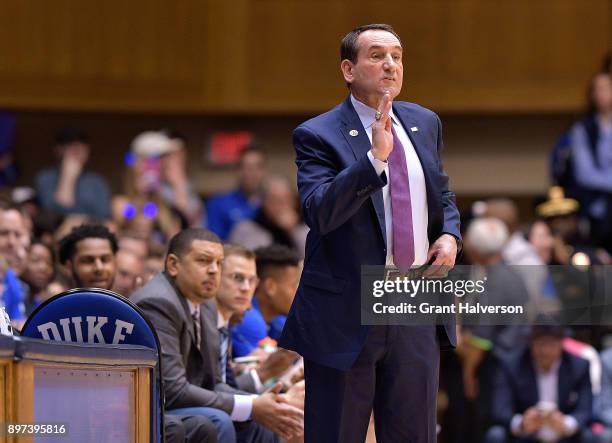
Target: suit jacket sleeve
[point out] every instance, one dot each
(503, 403)
(330, 196)
(180, 393)
(583, 410)
(451, 214)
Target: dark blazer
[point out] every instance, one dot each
(516, 388)
(341, 197)
(191, 377)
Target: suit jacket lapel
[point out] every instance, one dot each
(183, 302)
(360, 145)
(531, 382)
(210, 339)
(564, 384)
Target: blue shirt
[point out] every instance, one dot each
(253, 328)
(92, 195)
(13, 296)
(226, 210)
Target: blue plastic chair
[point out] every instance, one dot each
(103, 317)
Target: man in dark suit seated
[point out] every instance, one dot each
(89, 254)
(180, 304)
(542, 395)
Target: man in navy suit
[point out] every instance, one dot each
(373, 192)
(542, 395)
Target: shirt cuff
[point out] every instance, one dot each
(571, 425)
(257, 381)
(379, 165)
(243, 406)
(515, 425)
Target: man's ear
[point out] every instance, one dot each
(172, 264)
(346, 66)
(270, 286)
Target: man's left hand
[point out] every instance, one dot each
(443, 252)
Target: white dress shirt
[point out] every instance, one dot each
(418, 192)
(243, 404)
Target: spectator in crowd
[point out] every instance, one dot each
(591, 161)
(88, 251)
(39, 274)
(571, 245)
(238, 283)
(88, 255)
(227, 210)
(14, 246)
(128, 277)
(482, 347)
(543, 394)
(178, 302)
(518, 252)
(141, 209)
(134, 244)
(69, 188)
(276, 222)
(176, 190)
(154, 264)
(604, 404)
(279, 274)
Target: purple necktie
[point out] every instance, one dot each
(403, 236)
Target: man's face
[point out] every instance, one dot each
(545, 351)
(39, 270)
(378, 69)
(252, 171)
(78, 151)
(93, 264)
(136, 246)
(285, 282)
(14, 240)
(197, 273)
(238, 283)
(129, 273)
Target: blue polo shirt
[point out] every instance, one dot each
(224, 211)
(253, 328)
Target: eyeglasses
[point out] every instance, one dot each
(239, 279)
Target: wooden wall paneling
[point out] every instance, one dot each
(23, 397)
(278, 56)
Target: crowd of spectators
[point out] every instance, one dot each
(545, 383)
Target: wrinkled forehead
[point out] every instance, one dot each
(377, 38)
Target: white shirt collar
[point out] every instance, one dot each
(366, 114)
(554, 368)
(192, 306)
(221, 322)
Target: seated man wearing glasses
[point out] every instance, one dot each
(238, 282)
(278, 269)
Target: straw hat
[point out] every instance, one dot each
(557, 204)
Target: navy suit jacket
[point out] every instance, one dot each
(516, 388)
(341, 197)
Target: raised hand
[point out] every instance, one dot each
(382, 137)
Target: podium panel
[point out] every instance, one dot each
(81, 392)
